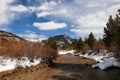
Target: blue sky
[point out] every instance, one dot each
(39, 19)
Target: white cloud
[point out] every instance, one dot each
(47, 5)
(32, 36)
(19, 8)
(85, 32)
(43, 14)
(62, 11)
(90, 23)
(52, 3)
(5, 15)
(116, 0)
(113, 9)
(53, 8)
(49, 25)
(32, 9)
(86, 21)
(75, 12)
(94, 4)
(92, 20)
(45, 9)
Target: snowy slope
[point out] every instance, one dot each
(60, 39)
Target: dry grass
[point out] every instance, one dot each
(31, 50)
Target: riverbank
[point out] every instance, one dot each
(67, 67)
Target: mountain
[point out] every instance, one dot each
(9, 36)
(63, 39)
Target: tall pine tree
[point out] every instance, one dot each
(79, 45)
(91, 40)
(112, 34)
(109, 32)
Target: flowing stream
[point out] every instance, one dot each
(80, 72)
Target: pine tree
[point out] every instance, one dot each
(91, 40)
(108, 30)
(79, 45)
(112, 34)
(51, 43)
(117, 37)
(119, 11)
(112, 31)
(74, 44)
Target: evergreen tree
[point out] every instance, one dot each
(86, 39)
(51, 43)
(79, 45)
(119, 11)
(91, 40)
(112, 34)
(74, 44)
(108, 30)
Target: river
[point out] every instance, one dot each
(81, 72)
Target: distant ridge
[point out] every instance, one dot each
(9, 36)
(62, 39)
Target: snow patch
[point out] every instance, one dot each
(107, 63)
(66, 52)
(96, 56)
(7, 63)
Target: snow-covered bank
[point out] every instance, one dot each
(96, 56)
(104, 61)
(7, 63)
(107, 63)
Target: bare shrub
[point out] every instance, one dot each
(28, 49)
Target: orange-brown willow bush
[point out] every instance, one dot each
(28, 49)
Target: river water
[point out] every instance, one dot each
(80, 72)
